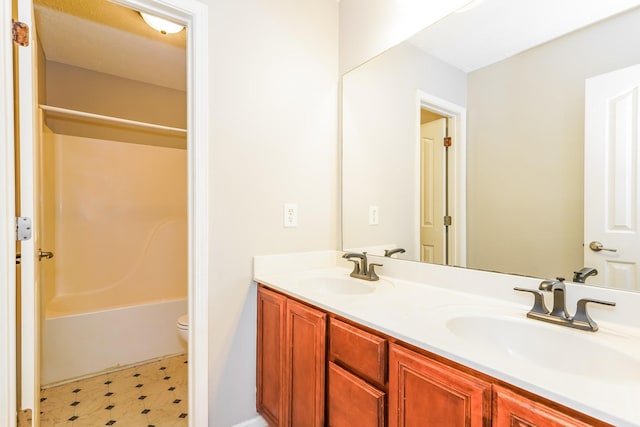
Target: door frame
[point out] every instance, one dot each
(194, 15)
(8, 381)
(457, 116)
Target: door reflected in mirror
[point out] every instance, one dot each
(513, 182)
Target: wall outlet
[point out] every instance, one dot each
(290, 214)
(374, 215)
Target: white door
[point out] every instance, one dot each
(612, 201)
(432, 209)
(29, 298)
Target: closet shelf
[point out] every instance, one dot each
(110, 119)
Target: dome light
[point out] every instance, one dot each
(160, 24)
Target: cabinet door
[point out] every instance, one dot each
(513, 410)
(305, 365)
(352, 401)
(423, 392)
(270, 354)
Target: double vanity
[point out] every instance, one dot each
(495, 139)
(432, 345)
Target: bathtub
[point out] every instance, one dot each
(85, 344)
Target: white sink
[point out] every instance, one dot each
(609, 357)
(340, 285)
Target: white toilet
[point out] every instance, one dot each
(183, 327)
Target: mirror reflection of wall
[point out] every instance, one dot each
(524, 153)
(381, 151)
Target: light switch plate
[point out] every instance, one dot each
(290, 214)
(374, 215)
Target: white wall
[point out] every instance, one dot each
(274, 76)
(379, 146)
(368, 27)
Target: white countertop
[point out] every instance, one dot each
(415, 303)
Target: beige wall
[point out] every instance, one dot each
(525, 149)
(273, 100)
(41, 70)
(84, 90)
(119, 220)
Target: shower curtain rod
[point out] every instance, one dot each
(110, 119)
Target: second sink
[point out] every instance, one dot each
(550, 347)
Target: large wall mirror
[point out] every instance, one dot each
(502, 138)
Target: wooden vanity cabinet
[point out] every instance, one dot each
(424, 392)
(306, 357)
(290, 361)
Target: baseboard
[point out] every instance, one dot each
(253, 422)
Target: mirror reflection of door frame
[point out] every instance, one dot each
(434, 245)
(457, 162)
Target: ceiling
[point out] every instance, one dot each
(485, 32)
(102, 36)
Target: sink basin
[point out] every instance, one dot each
(550, 347)
(340, 285)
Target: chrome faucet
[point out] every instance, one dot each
(361, 269)
(389, 252)
(581, 275)
(559, 305)
(559, 314)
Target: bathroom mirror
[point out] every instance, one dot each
(506, 81)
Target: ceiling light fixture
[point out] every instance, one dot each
(160, 24)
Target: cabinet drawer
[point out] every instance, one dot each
(363, 353)
(352, 401)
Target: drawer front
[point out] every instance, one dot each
(352, 401)
(363, 353)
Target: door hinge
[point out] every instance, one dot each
(447, 141)
(447, 220)
(23, 228)
(20, 33)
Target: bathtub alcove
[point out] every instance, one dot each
(115, 216)
(112, 189)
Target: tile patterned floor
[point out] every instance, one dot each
(149, 395)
